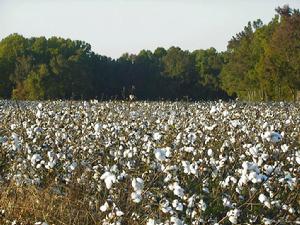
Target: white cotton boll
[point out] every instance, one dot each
(168, 178)
(151, 222)
(291, 210)
(177, 205)
(267, 204)
(97, 128)
(39, 114)
(38, 166)
(213, 109)
(109, 179)
(186, 167)
(254, 151)
(210, 152)
(284, 207)
(168, 152)
(233, 219)
(35, 158)
(137, 184)
(171, 120)
(226, 202)
(189, 149)
(40, 106)
(40, 223)
(257, 179)
(128, 153)
(210, 128)
(178, 191)
(174, 220)
(275, 137)
(205, 189)
(269, 169)
(202, 205)
(73, 166)
(191, 201)
(160, 154)
(166, 209)
(265, 125)
(225, 113)
(284, 147)
(262, 198)
(157, 136)
(235, 123)
(297, 154)
(13, 126)
(51, 164)
(136, 196)
(253, 176)
(194, 169)
(233, 215)
(50, 155)
(267, 221)
(119, 213)
(191, 137)
(104, 207)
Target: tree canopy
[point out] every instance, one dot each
(261, 63)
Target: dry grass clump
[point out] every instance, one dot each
(32, 204)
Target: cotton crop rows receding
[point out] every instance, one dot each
(160, 162)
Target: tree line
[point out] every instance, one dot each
(261, 63)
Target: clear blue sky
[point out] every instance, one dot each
(113, 27)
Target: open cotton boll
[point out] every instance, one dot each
(202, 205)
(136, 196)
(177, 190)
(233, 216)
(157, 136)
(16, 142)
(210, 152)
(174, 220)
(225, 113)
(151, 222)
(284, 147)
(35, 158)
(109, 179)
(160, 154)
(104, 207)
(213, 109)
(267, 221)
(97, 128)
(177, 205)
(264, 199)
(39, 114)
(275, 137)
(40, 223)
(297, 157)
(137, 184)
(119, 213)
(73, 166)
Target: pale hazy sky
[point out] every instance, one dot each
(113, 27)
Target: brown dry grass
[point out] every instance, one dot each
(28, 205)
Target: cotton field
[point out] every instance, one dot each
(93, 162)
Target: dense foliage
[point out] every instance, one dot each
(263, 60)
(57, 68)
(261, 63)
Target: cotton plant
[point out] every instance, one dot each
(159, 162)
